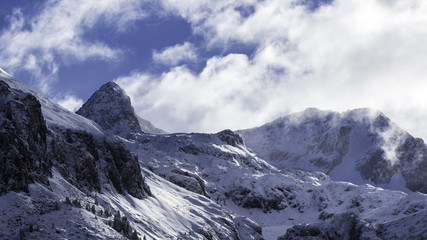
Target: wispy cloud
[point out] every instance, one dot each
(343, 55)
(70, 102)
(176, 54)
(55, 36)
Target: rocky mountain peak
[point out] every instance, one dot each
(111, 108)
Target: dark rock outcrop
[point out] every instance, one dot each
(111, 108)
(346, 226)
(414, 153)
(230, 138)
(88, 163)
(23, 156)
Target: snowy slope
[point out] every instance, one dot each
(55, 115)
(231, 175)
(70, 180)
(359, 146)
(170, 214)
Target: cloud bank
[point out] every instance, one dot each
(343, 55)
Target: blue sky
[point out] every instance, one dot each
(82, 77)
(208, 65)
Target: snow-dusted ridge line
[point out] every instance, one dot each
(82, 175)
(54, 114)
(359, 146)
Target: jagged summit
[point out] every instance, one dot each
(111, 108)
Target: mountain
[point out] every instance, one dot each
(36, 136)
(63, 176)
(358, 146)
(221, 167)
(111, 108)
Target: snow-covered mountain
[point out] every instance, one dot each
(64, 176)
(358, 146)
(111, 108)
(221, 167)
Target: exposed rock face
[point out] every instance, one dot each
(248, 229)
(23, 156)
(90, 163)
(359, 146)
(346, 226)
(350, 226)
(230, 138)
(111, 108)
(413, 153)
(29, 148)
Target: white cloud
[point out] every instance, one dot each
(176, 54)
(228, 91)
(344, 55)
(70, 102)
(55, 36)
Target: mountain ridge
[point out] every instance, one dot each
(93, 187)
(184, 186)
(361, 146)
